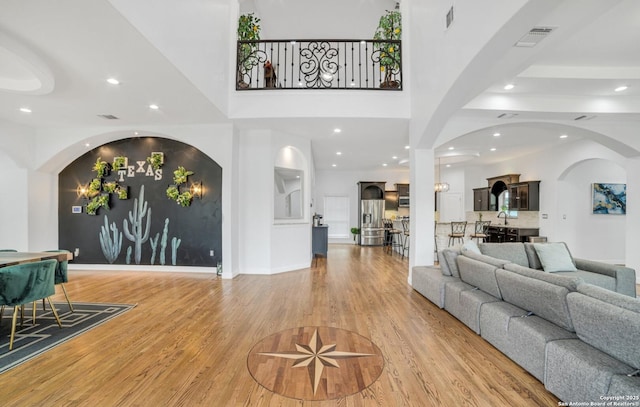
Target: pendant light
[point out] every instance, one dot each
(440, 186)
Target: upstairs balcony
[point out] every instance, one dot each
(319, 64)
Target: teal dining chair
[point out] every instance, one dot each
(26, 283)
(61, 276)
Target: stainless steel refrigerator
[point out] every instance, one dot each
(371, 226)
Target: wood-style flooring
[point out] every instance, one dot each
(187, 341)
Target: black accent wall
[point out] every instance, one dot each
(197, 228)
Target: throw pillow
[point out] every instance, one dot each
(554, 257)
(451, 255)
(470, 245)
(444, 266)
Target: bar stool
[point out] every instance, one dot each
(481, 230)
(406, 235)
(393, 236)
(457, 232)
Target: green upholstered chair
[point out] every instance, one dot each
(25, 283)
(8, 250)
(61, 276)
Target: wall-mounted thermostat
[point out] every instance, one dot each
(76, 209)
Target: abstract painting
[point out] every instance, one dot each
(609, 199)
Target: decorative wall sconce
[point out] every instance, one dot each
(196, 189)
(82, 191)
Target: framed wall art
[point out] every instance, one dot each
(609, 199)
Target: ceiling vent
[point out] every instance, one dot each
(108, 116)
(534, 36)
(585, 117)
(507, 115)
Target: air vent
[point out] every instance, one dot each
(534, 36)
(585, 117)
(108, 116)
(507, 115)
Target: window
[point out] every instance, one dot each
(336, 215)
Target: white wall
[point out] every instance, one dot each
(345, 183)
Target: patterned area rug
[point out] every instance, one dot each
(32, 340)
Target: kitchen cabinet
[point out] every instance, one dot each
(390, 200)
(320, 241)
(402, 189)
(502, 234)
(524, 196)
(481, 199)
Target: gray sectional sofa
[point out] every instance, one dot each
(577, 331)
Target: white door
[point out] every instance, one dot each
(451, 207)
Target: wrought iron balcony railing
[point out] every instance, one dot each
(319, 64)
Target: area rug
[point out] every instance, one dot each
(32, 340)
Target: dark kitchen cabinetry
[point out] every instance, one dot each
(481, 199)
(390, 201)
(402, 189)
(502, 234)
(524, 196)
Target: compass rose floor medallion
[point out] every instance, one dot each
(315, 363)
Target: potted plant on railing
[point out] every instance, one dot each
(248, 30)
(388, 53)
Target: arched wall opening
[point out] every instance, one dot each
(149, 226)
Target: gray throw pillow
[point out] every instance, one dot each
(451, 255)
(554, 257)
(534, 260)
(444, 266)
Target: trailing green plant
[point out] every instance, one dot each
(156, 160)
(95, 186)
(173, 192)
(180, 175)
(119, 163)
(110, 187)
(184, 199)
(248, 30)
(389, 28)
(123, 192)
(101, 201)
(101, 167)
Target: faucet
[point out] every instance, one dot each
(506, 216)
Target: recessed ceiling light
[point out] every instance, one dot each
(448, 165)
(337, 130)
(25, 110)
(564, 136)
(509, 86)
(334, 165)
(451, 148)
(87, 144)
(496, 134)
(395, 157)
(621, 88)
(384, 164)
(113, 81)
(135, 133)
(339, 153)
(407, 147)
(492, 149)
(154, 107)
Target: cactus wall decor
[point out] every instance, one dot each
(154, 244)
(163, 242)
(110, 246)
(128, 255)
(175, 243)
(138, 233)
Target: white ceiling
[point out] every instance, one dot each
(84, 42)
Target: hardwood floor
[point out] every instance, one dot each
(187, 341)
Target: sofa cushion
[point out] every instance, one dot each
(599, 280)
(470, 246)
(430, 282)
(444, 265)
(532, 256)
(554, 257)
(450, 256)
(538, 292)
(485, 259)
(479, 274)
(608, 321)
(513, 252)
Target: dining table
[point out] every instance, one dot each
(13, 258)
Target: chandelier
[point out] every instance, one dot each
(440, 186)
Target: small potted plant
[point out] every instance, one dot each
(173, 192)
(119, 163)
(390, 29)
(109, 187)
(156, 160)
(101, 167)
(123, 192)
(184, 199)
(355, 232)
(180, 175)
(95, 186)
(248, 30)
(96, 203)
